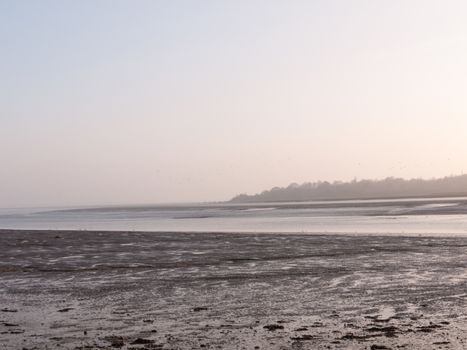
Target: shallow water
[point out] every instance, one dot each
(427, 216)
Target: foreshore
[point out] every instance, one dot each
(176, 290)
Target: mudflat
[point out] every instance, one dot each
(175, 290)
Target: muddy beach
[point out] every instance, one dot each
(136, 290)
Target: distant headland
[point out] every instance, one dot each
(389, 187)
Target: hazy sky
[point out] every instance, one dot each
(154, 101)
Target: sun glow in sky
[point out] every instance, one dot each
(106, 102)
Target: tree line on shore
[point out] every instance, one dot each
(389, 187)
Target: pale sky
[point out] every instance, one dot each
(125, 102)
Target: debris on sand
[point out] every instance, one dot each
(273, 327)
(115, 341)
(316, 325)
(351, 336)
(8, 310)
(142, 341)
(200, 308)
(303, 337)
(389, 331)
(429, 328)
(7, 324)
(66, 309)
(379, 347)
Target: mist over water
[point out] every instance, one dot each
(429, 216)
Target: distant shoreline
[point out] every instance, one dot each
(425, 196)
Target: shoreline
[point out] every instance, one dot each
(409, 235)
(363, 198)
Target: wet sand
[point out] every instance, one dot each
(127, 290)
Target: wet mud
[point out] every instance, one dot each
(135, 290)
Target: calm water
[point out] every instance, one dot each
(428, 216)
